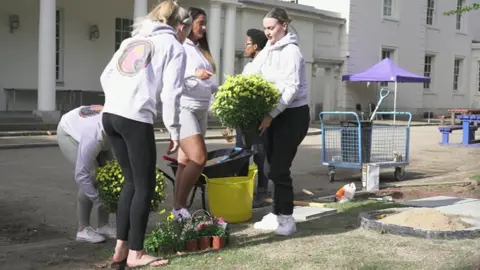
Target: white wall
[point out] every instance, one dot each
(84, 60)
(446, 43)
(474, 22)
(475, 76)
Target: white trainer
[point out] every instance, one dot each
(286, 225)
(181, 213)
(90, 235)
(107, 231)
(268, 223)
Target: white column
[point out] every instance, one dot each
(214, 30)
(229, 40)
(46, 56)
(328, 94)
(140, 8)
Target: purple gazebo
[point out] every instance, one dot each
(386, 71)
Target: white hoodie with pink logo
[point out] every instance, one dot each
(147, 68)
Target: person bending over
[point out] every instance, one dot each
(84, 144)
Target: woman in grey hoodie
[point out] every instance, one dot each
(194, 103)
(285, 127)
(148, 66)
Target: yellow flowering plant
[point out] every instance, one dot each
(166, 237)
(110, 182)
(243, 100)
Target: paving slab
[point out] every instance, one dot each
(305, 213)
(449, 205)
(465, 209)
(438, 201)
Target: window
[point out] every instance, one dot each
(122, 30)
(478, 77)
(427, 70)
(430, 11)
(59, 46)
(459, 16)
(386, 53)
(388, 8)
(456, 73)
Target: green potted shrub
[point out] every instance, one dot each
(242, 101)
(110, 182)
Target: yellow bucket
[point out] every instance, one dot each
(231, 197)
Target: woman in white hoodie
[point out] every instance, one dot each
(148, 66)
(285, 127)
(194, 103)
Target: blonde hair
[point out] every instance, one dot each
(281, 15)
(167, 12)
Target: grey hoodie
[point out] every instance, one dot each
(197, 93)
(146, 68)
(282, 63)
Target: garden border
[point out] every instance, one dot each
(368, 221)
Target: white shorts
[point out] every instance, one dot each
(193, 122)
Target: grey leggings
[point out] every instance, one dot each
(69, 148)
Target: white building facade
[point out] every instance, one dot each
(418, 37)
(53, 51)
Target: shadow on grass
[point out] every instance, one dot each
(345, 220)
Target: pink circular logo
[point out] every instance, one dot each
(135, 57)
(92, 110)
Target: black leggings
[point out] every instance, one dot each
(133, 144)
(282, 139)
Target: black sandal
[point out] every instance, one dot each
(121, 265)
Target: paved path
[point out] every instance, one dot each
(50, 141)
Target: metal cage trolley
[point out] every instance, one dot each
(355, 143)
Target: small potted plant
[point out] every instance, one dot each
(161, 239)
(165, 237)
(219, 233)
(190, 236)
(204, 227)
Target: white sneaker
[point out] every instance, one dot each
(268, 223)
(181, 213)
(286, 225)
(90, 235)
(107, 231)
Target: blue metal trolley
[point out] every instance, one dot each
(354, 143)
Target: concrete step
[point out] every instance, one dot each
(19, 118)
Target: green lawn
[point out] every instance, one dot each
(334, 242)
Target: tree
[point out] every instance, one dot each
(474, 6)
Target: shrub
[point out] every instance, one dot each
(166, 237)
(243, 100)
(110, 182)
